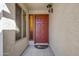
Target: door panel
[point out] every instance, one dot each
(38, 34)
(41, 29)
(44, 32)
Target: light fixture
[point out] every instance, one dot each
(50, 9)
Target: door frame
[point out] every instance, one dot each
(35, 26)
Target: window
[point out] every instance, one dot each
(18, 21)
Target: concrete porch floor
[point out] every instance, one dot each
(32, 51)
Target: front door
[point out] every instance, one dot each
(41, 25)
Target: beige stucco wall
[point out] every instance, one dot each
(1, 36)
(64, 29)
(1, 43)
(38, 12)
(10, 45)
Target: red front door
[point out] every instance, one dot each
(41, 25)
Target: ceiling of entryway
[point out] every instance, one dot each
(36, 6)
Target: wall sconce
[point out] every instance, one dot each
(50, 9)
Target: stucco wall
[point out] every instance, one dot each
(1, 37)
(1, 43)
(38, 11)
(64, 32)
(10, 45)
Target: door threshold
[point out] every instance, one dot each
(41, 44)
